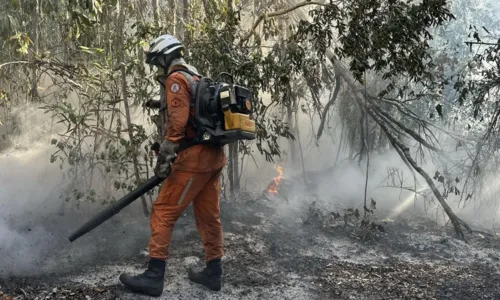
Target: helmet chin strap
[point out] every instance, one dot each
(163, 69)
(167, 64)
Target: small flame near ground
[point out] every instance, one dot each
(273, 187)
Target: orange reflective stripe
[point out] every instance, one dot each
(184, 193)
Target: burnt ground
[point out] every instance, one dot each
(272, 253)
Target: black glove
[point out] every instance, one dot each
(156, 148)
(153, 104)
(166, 157)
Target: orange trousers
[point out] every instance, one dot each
(178, 191)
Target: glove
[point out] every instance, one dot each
(153, 104)
(166, 156)
(156, 148)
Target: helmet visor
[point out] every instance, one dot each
(152, 59)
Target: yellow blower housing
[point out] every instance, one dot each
(237, 121)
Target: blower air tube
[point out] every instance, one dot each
(116, 207)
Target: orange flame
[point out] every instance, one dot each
(273, 187)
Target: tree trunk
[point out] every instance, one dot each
(230, 168)
(402, 150)
(382, 144)
(173, 16)
(340, 143)
(36, 43)
(140, 50)
(297, 132)
(332, 100)
(121, 61)
(156, 16)
(233, 168)
(108, 35)
(205, 7)
(234, 147)
(185, 21)
(291, 143)
(236, 164)
(363, 137)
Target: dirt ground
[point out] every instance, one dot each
(272, 253)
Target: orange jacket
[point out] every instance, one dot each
(199, 158)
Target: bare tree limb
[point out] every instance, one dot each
(412, 133)
(397, 144)
(482, 43)
(404, 151)
(14, 63)
(264, 16)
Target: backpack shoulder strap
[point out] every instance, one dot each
(190, 78)
(194, 85)
(192, 82)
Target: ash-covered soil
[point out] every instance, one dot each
(271, 253)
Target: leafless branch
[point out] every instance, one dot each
(14, 63)
(482, 43)
(264, 16)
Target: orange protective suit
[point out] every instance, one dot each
(195, 178)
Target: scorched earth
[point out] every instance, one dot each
(274, 249)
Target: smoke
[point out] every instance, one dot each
(28, 193)
(35, 222)
(35, 219)
(340, 182)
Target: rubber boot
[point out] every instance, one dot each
(150, 282)
(210, 276)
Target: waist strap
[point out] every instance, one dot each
(187, 143)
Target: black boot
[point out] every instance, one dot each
(150, 282)
(210, 276)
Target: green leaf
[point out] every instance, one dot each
(86, 50)
(85, 20)
(72, 117)
(476, 36)
(77, 33)
(439, 109)
(97, 6)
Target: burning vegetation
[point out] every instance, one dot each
(273, 187)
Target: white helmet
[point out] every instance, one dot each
(164, 46)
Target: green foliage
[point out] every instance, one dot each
(22, 42)
(215, 51)
(391, 37)
(77, 58)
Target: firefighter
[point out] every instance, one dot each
(194, 176)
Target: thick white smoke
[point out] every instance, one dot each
(343, 186)
(35, 220)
